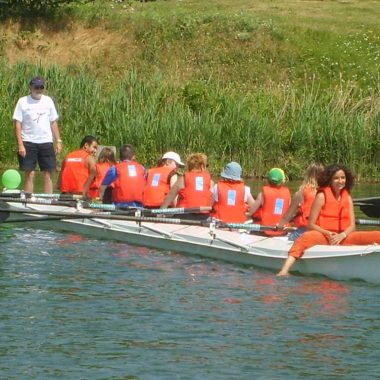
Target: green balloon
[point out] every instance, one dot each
(11, 179)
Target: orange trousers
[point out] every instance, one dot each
(311, 238)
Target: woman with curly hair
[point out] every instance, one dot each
(332, 218)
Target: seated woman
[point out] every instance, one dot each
(105, 161)
(194, 188)
(302, 201)
(332, 218)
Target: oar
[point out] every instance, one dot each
(56, 215)
(367, 222)
(369, 206)
(23, 195)
(42, 201)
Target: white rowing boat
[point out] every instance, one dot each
(337, 262)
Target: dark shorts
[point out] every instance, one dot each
(43, 154)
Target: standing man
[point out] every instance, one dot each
(36, 126)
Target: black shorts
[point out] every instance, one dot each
(44, 154)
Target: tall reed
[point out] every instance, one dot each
(277, 126)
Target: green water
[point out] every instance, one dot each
(80, 308)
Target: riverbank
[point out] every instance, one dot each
(267, 84)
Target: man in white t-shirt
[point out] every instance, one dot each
(36, 126)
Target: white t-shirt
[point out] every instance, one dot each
(36, 117)
(247, 193)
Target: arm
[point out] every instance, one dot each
(177, 186)
(20, 144)
(256, 204)
(91, 165)
(56, 136)
(292, 210)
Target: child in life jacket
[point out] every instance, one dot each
(106, 159)
(231, 196)
(194, 188)
(272, 202)
(300, 206)
(161, 179)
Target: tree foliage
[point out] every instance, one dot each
(31, 8)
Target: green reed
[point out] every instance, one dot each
(276, 126)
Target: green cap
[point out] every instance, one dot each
(276, 176)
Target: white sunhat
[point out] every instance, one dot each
(173, 156)
(232, 171)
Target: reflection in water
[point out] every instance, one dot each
(74, 307)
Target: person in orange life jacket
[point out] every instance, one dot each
(300, 206)
(332, 217)
(273, 201)
(230, 195)
(79, 168)
(105, 160)
(127, 178)
(161, 179)
(194, 188)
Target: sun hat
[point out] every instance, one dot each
(276, 176)
(37, 81)
(232, 171)
(173, 156)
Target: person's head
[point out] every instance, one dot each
(107, 155)
(127, 152)
(37, 87)
(172, 159)
(232, 172)
(313, 173)
(276, 177)
(89, 144)
(337, 176)
(196, 162)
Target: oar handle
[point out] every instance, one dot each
(368, 222)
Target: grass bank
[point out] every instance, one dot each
(266, 84)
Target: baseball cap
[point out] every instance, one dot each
(173, 156)
(37, 81)
(276, 176)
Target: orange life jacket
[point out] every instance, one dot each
(130, 182)
(335, 214)
(276, 201)
(75, 172)
(157, 186)
(196, 192)
(101, 171)
(230, 207)
(302, 218)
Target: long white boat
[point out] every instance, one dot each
(336, 262)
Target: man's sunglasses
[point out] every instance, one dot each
(39, 87)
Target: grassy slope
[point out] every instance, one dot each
(279, 73)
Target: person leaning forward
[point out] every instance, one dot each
(79, 168)
(36, 126)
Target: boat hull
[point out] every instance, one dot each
(337, 262)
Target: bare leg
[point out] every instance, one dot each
(286, 267)
(29, 181)
(48, 183)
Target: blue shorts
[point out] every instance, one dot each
(43, 154)
(293, 236)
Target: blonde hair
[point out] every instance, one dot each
(313, 173)
(195, 161)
